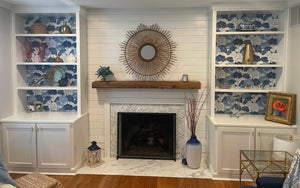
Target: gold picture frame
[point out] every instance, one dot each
(280, 107)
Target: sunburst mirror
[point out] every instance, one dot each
(148, 52)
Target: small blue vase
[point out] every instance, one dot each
(193, 152)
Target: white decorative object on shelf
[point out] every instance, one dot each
(70, 59)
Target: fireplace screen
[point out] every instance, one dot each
(146, 135)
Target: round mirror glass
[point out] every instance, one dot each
(148, 52)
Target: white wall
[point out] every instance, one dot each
(293, 67)
(6, 100)
(5, 64)
(107, 28)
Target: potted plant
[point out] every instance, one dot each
(103, 72)
(194, 106)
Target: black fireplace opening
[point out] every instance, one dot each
(146, 135)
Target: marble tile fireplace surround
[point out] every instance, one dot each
(153, 108)
(144, 167)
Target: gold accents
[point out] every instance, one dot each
(259, 162)
(57, 59)
(248, 57)
(148, 52)
(55, 74)
(64, 29)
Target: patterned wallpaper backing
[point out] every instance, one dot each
(227, 22)
(230, 48)
(246, 77)
(247, 103)
(61, 46)
(53, 23)
(52, 100)
(36, 75)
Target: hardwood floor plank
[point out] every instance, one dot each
(118, 181)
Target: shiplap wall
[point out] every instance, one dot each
(293, 68)
(107, 28)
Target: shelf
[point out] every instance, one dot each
(251, 33)
(43, 117)
(246, 121)
(47, 88)
(45, 35)
(243, 65)
(45, 63)
(246, 90)
(148, 84)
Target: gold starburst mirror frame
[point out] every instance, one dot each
(148, 52)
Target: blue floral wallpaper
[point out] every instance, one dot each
(54, 100)
(230, 48)
(248, 103)
(244, 77)
(61, 46)
(53, 23)
(36, 75)
(227, 22)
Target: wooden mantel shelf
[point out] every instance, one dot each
(148, 84)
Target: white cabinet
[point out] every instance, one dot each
(34, 142)
(230, 141)
(37, 145)
(264, 136)
(19, 144)
(227, 138)
(49, 137)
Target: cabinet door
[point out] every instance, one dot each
(19, 144)
(53, 141)
(230, 141)
(264, 137)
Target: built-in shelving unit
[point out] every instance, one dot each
(233, 82)
(31, 84)
(50, 106)
(239, 91)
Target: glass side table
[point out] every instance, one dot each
(264, 163)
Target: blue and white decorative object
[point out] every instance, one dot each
(193, 152)
(194, 106)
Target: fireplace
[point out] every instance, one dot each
(146, 135)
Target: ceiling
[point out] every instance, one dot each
(131, 3)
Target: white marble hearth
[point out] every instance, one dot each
(138, 167)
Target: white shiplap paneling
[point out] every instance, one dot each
(107, 28)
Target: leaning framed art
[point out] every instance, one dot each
(280, 107)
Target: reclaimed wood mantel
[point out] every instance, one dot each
(148, 84)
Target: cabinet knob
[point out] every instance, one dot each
(33, 129)
(252, 133)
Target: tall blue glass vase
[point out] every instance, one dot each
(193, 152)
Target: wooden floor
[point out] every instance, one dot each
(109, 181)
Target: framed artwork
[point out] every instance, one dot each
(280, 107)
